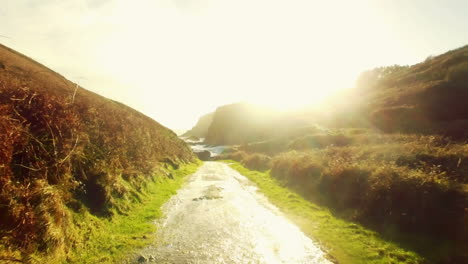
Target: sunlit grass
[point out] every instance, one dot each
(109, 240)
(63, 148)
(346, 242)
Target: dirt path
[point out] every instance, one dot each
(218, 217)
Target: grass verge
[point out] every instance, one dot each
(108, 240)
(346, 242)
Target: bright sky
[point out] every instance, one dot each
(175, 60)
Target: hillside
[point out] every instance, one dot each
(238, 123)
(201, 127)
(243, 123)
(390, 154)
(65, 151)
(429, 97)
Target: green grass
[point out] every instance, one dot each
(63, 147)
(346, 242)
(109, 240)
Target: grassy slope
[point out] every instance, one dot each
(410, 188)
(346, 242)
(240, 122)
(429, 97)
(412, 99)
(65, 152)
(111, 240)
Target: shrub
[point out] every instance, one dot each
(301, 169)
(320, 141)
(404, 118)
(254, 161)
(267, 147)
(234, 155)
(257, 161)
(415, 186)
(346, 185)
(458, 73)
(416, 202)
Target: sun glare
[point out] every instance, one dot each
(285, 60)
(203, 54)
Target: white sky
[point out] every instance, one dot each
(175, 60)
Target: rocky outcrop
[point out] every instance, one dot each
(240, 123)
(201, 128)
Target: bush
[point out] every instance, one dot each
(267, 147)
(416, 202)
(320, 141)
(404, 118)
(458, 73)
(257, 161)
(234, 155)
(301, 169)
(254, 161)
(413, 193)
(346, 185)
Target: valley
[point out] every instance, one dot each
(376, 173)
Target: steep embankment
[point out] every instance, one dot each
(201, 128)
(64, 151)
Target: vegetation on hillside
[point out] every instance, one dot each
(238, 123)
(426, 98)
(345, 242)
(109, 240)
(390, 153)
(429, 97)
(64, 150)
(411, 188)
(243, 123)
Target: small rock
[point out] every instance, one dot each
(142, 259)
(2, 66)
(151, 258)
